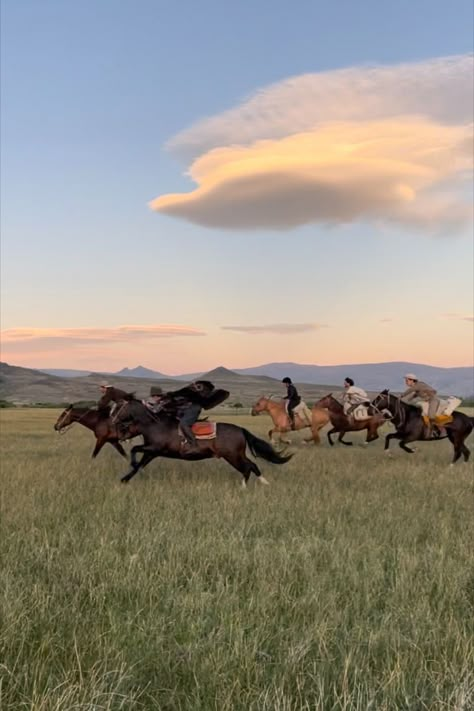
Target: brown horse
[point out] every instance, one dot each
(281, 421)
(95, 420)
(342, 423)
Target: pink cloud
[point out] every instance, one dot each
(277, 328)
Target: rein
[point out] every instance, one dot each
(66, 428)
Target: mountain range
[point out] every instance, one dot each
(371, 376)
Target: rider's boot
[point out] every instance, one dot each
(190, 444)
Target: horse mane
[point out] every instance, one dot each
(129, 396)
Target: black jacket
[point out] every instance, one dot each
(292, 396)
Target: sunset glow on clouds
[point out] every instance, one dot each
(27, 339)
(386, 144)
(282, 329)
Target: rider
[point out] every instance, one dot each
(188, 405)
(353, 397)
(154, 401)
(422, 394)
(293, 400)
(110, 396)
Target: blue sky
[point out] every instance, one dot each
(91, 94)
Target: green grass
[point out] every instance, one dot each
(346, 584)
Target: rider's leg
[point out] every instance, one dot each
(433, 405)
(188, 418)
(291, 417)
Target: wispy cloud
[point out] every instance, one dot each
(386, 320)
(460, 317)
(380, 143)
(277, 328)
(24, 339)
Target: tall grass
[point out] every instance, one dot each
(347, 584)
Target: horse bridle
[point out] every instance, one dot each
(398, 407)
(66, 428)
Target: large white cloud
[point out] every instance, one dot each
(384, 143)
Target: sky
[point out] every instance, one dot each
(187, 185)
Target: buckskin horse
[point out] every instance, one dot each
(98, 421)
(342, 423)
(410, 427)
(162, 438)
(281, 421)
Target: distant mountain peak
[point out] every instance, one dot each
(140, 372)
(220, 372)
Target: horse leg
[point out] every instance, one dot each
(457, 441)
(403, 444)
(340, 439)
(388, 438)
(119, 448)
(330, 432)
(146, 459)
(372, 434)
(245, 466)
(98, 446)
(133, 453)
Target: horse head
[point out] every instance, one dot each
(260, 406)
(65, 418)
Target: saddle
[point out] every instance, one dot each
(203, 430)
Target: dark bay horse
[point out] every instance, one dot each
(162, 438)
(342, 424)
(408, 422)
(97, 421)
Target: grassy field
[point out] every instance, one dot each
(346, 584)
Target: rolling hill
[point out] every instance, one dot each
(26, 386)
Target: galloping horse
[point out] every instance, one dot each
(342, 423)
(408, 422)
(102, 426)
(162, 438)
(281, 421)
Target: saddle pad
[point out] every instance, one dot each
(439, 420)
(204, 430)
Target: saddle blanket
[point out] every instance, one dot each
(440, 420)
(204, 430)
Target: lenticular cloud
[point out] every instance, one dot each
(389, 144)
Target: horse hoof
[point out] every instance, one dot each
(262, 480)
(124, 480)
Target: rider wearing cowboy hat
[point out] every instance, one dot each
(419, 392)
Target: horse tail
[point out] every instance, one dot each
(260, 448)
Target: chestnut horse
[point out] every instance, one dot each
(342, 423)
(281, 422)
(95, 420)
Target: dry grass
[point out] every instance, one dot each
(347, 584)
